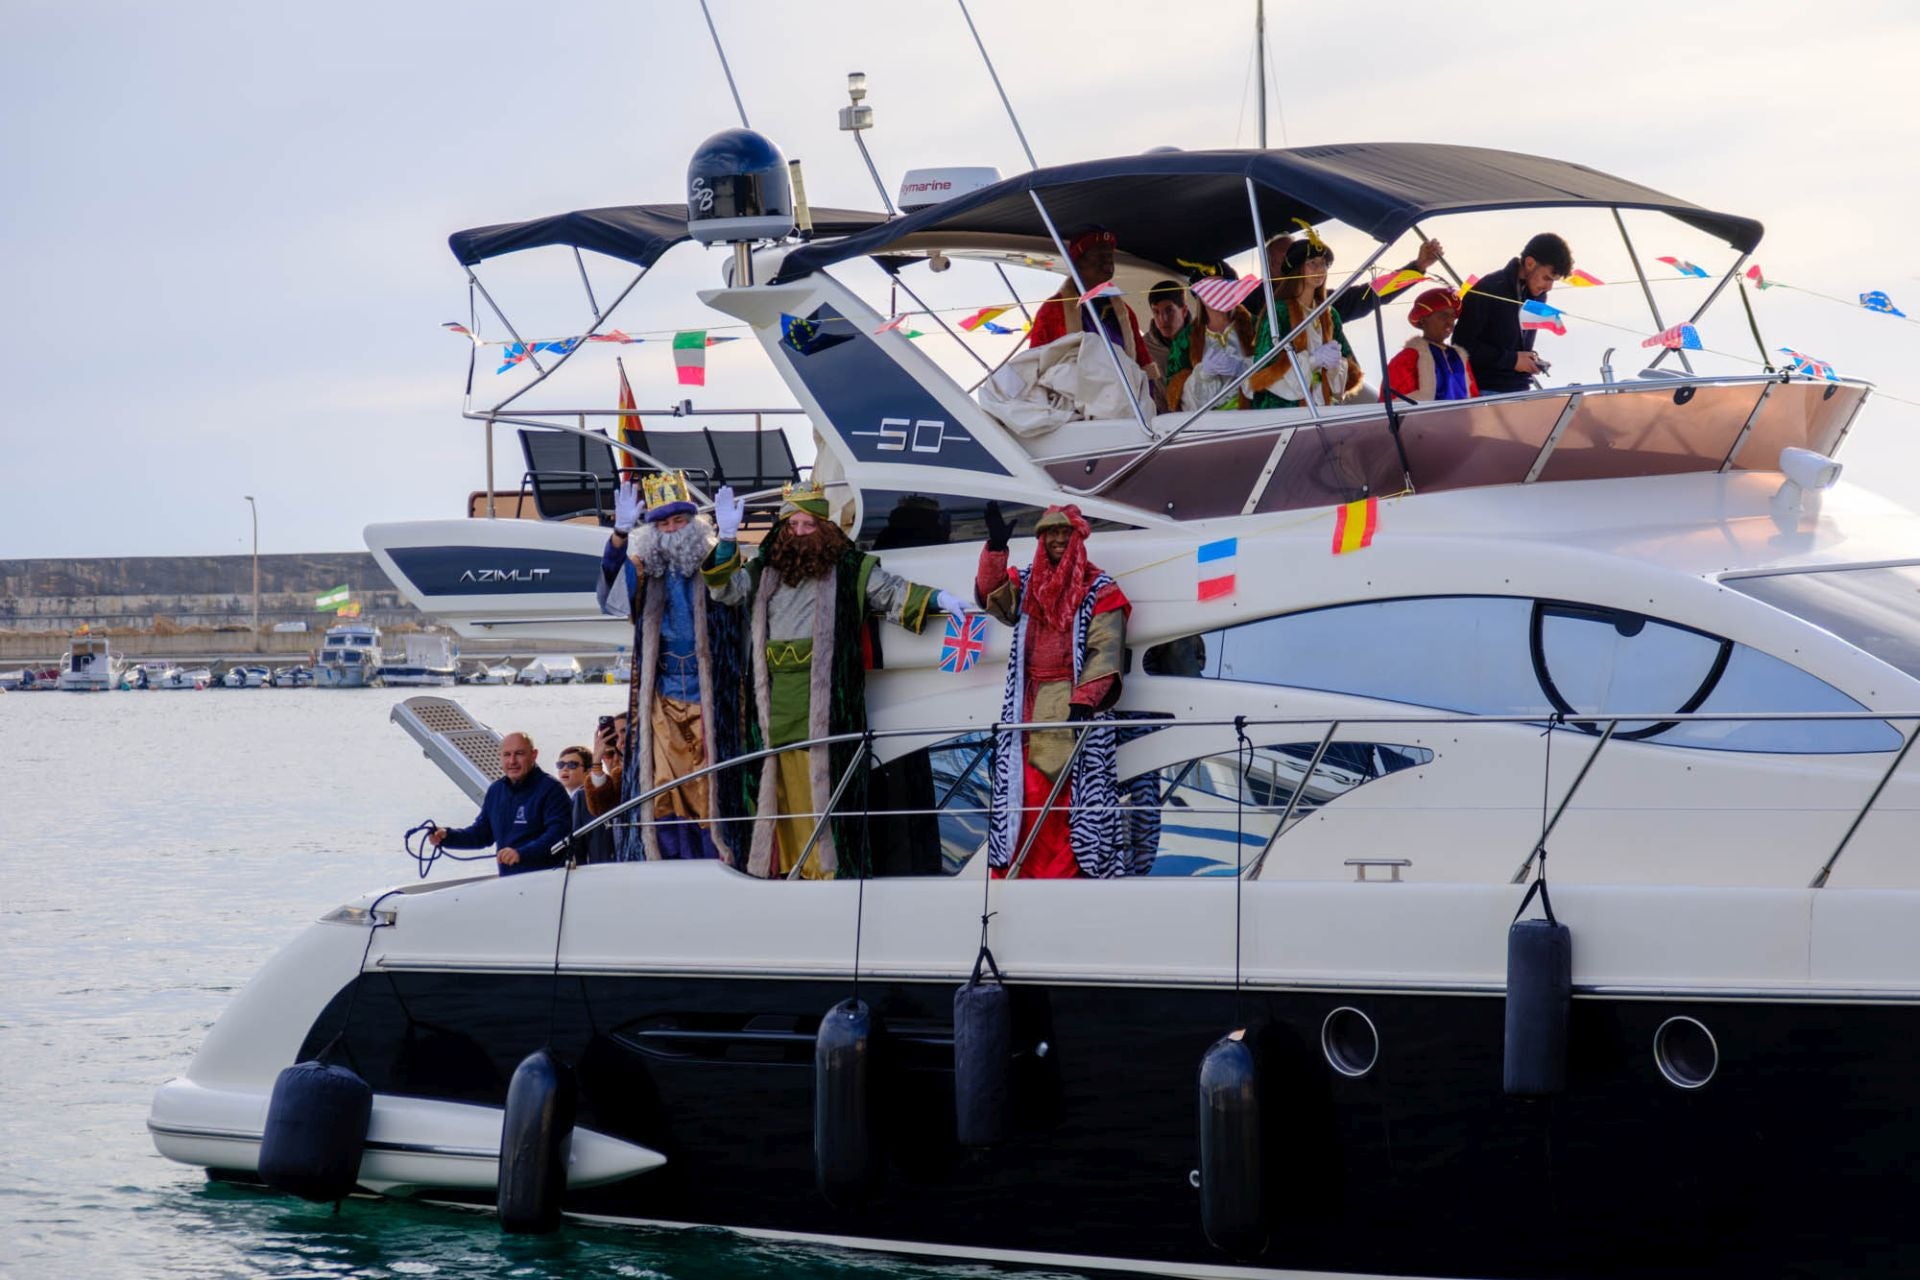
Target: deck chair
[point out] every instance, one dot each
(570, 476)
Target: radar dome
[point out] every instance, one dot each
(738, 189)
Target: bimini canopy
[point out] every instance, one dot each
(1192, 205)
(636, 233)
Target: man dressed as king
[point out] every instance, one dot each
(684, 705)
(809, 593)
(1069, 623)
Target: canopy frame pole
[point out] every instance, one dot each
(1080, 287)
(1266, 284)
(1458, 279)
(945, 327)
(1659, 325)
(1702, 310)
(1293, 800)
(599, 319)
(488, 419)
(1140, 459)
(474, 280)
(1018, 301)
(585, 283)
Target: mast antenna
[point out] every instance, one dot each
(721, 50)
(1260, 56)
(1018, 131)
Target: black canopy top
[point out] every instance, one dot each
(1171, 205)
(636, 233)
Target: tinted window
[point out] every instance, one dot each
(1480, 655)
(1873, 609)
(891, 518)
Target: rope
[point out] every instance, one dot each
(1539, 884)
(353, 995)
(560, 924)
(420, 847)
(1243, 760)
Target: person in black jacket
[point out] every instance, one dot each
(1489, 328)
(524, 813)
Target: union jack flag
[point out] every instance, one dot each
(965, 641)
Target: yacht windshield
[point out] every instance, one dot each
(1873, 609)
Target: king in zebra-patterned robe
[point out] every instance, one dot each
(1069, 642)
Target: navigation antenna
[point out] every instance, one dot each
(718, 48)
(857, 118)
(1018, 131)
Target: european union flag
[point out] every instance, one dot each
(807, 335)
(1878, 301)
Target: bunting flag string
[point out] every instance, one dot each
(1878, 301)
(890, 325)
(1222, 294)
(1681, 337)
(984, 316)
(690, 357)
(1538, 315)
(1395, 281)
(1583, 279)
(1684, 267)
(1803, 363)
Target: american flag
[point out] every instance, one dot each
(1681, 337)
(965, 641)
(1221, 294)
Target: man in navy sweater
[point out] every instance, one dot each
(525, 813)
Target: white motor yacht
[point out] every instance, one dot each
(549, 669)
(251, 676)
(90, 665)
(430, 660)
(1638, 636)
(349, 657)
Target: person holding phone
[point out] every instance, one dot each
(1489, 326)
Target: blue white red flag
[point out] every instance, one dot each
(964, 642)
(1105, 290)
(1538, 315)
(1684, 267)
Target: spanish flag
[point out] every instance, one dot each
(1353, 525)
(630, 430)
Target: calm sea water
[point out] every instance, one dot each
(155, 850)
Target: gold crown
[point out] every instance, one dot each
(664, 488)
(810, 497)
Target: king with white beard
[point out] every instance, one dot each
(684, 703)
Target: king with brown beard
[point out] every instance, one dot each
(1069, 643)
(809, 594)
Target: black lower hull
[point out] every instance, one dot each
(1793, 1160)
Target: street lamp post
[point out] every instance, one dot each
(254, 508)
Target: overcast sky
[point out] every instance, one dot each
(223, 226)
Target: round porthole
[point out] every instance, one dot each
(1350, 1041)
(1685, 1052)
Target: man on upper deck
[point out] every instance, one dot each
(1489, 326)
(1062, 314)
(525, 813)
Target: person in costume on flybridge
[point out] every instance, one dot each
(808, 594)
(1069, 645)
(684, 704)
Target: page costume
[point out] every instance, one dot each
(1065, 661)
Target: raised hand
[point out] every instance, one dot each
(727, 513)
(999, 528)
(626, 507)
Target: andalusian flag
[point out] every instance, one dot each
(690, 357)
(333, 599)
(1353, 525)
(630, 433)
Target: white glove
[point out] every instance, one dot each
(947, 602)
(1327, 355)
(626, 508)
(727, 511)
(1222, 362)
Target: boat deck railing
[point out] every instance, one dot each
(1293, 768)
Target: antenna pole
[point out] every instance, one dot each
(1020, 133)
(721, 50)
(1260, 59)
